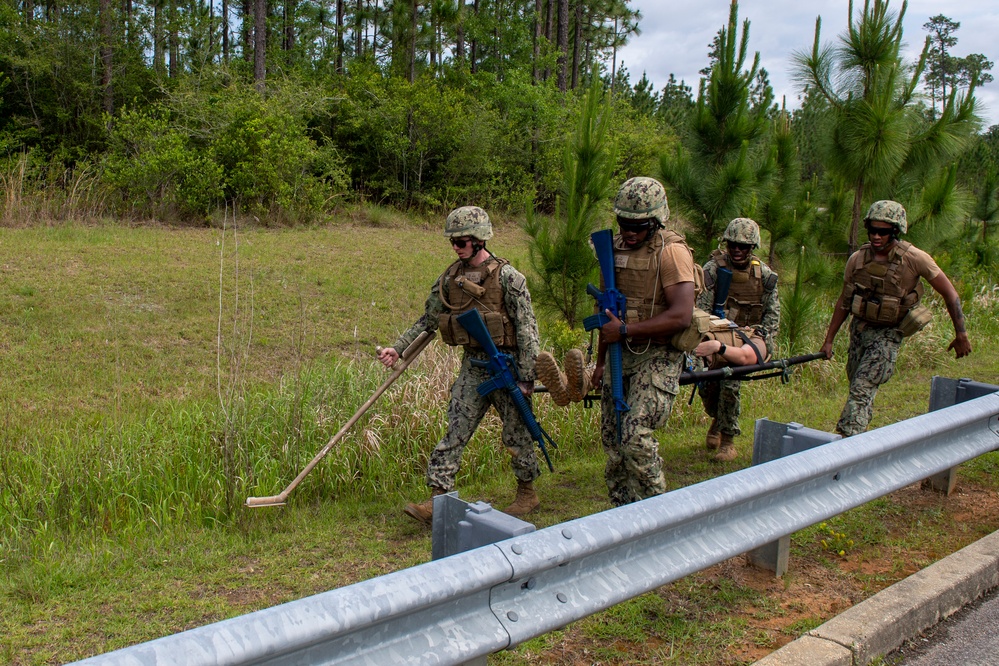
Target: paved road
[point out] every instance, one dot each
(967, 638)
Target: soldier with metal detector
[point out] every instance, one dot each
(654, 272)
(751, 301)
(478, 280)
(882, 288)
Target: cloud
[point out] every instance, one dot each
(676, 37)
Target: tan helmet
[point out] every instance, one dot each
(642, 198)
(888, 211)
(468, 221)
(743, 230)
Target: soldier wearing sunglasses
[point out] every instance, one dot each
(752, 302)
(478, 279)
(882, 290)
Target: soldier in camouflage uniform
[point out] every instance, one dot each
(655, 271)
(478, 279)
(752, 301)
(882, 290)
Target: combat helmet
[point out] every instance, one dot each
(888, 211)
(642, 198)
(743, 230)
(468, 221)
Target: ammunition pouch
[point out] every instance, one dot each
(454, 334)
(744, 314)
(915, 320)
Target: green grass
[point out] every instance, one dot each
(132, 432)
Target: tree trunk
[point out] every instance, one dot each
(474, 55)
(411, 51)
(614, 59)
(339, 36)
(358, 29)
(858, 200)
(29, 10)
(459, 47)
(106, 55)
(246, 30)
(259, 43)
(225, 31)
(173, 40)
(497, 54)
(577, 38)
(288, 42)
(535, 71)
(549, 19)
(562, 43)
(159, 61)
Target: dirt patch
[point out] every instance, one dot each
(813, 592)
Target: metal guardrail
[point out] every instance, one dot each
(481, 601)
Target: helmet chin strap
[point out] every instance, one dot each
(477, 246)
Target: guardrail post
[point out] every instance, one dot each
(459, 526)
(773, 440)
(946, 392)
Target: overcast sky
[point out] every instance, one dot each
(675, 37)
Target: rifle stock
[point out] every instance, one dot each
(609, 299)
(504, 376)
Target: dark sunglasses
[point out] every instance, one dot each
(745, 247)
(460, 243)
(633, 227)
(879, 231)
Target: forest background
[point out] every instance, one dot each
(349, 129)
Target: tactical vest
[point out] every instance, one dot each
(638, 277)
(464, 287)
(878, 290)
(745, 297)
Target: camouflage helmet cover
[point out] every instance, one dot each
(743, 230)
(888, 211)
(641, 198)
(468, 221)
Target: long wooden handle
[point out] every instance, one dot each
(408, 356)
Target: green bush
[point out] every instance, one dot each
(206, 148)
(155, 169)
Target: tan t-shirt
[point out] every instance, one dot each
(677, 265)
(915, 264)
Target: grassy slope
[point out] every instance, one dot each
(108, 336)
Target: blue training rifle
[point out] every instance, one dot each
(504, 376)
(609, 299)
(722, 285)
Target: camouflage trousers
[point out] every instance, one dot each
(464, 413)
(721, 402)
(634, 468)
(870, 363)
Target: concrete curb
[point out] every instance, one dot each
(884, 622)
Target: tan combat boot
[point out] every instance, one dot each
(713, 439)
(577, 375)
(525, 502)
(552, 377)
(726, 450)
(424, 511)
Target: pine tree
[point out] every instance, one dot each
(724, 160)
(879, 147)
